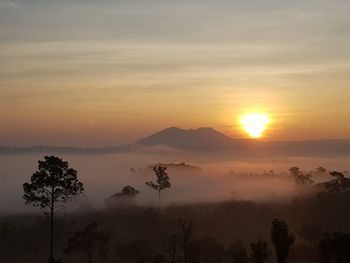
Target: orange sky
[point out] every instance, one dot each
(93, 73)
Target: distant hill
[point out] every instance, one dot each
(195, 140)
(203, 141)
(71, 150)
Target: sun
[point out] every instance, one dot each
(255, 124)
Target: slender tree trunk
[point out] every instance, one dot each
(159, 200)
(185, 254)
(174, 252)
(173, 257)
(51, 227)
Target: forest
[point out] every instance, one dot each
(312, 226)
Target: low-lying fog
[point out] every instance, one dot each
(104, 175)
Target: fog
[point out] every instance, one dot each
(220, 178)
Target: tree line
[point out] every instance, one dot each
(55, 183)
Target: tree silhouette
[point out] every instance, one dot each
(304, 179)
(91, 240)
(129, 190)
(341, 247)
(281, 238)
(209, 250)
(334, 246)
(173, 248)
(187, 240)
(236, 253)
(162, 181)
(301, 178)
(126, 198)
(136, 251)
(311, 233)
(260, 251)
(295, 171)
(339, 184)
(50, 187)
(325, 247)
(321, 170)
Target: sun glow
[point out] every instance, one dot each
(255, 124)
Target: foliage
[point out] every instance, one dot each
(187, 242)
(137, 251)
(91, 240)
(260, 251)
(129, 191)
(236, 253)
(173, 248)
(281, 238)
(20, 235)
(321, 170)
(334, 246)
(162, 181)
(310, 232)
(208, 250)
(339, 184)
(301, 178)
(53, 182)
(295, 171)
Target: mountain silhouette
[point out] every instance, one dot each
(194, 139)
(204, 141)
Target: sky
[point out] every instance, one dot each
(106, 72)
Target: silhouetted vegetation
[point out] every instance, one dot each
(89, 241)
(301, 178)
(187, 242)
(338, 185)
(209, 232)
(162, 181)
(125, 198)
(223, 232)
(52, 185)
(311, 233)
(334, 247)
(282, 239)
(260, 251)
(236, 253)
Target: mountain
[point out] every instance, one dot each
(194, 139)
(204, 141)
(210, 140)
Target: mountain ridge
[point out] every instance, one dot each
(204, 138)
(201, 140)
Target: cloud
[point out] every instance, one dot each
(196, 56)
(9, 4)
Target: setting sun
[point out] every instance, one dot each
(255, 124)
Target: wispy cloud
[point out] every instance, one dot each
(205, 60)
(9, 4)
